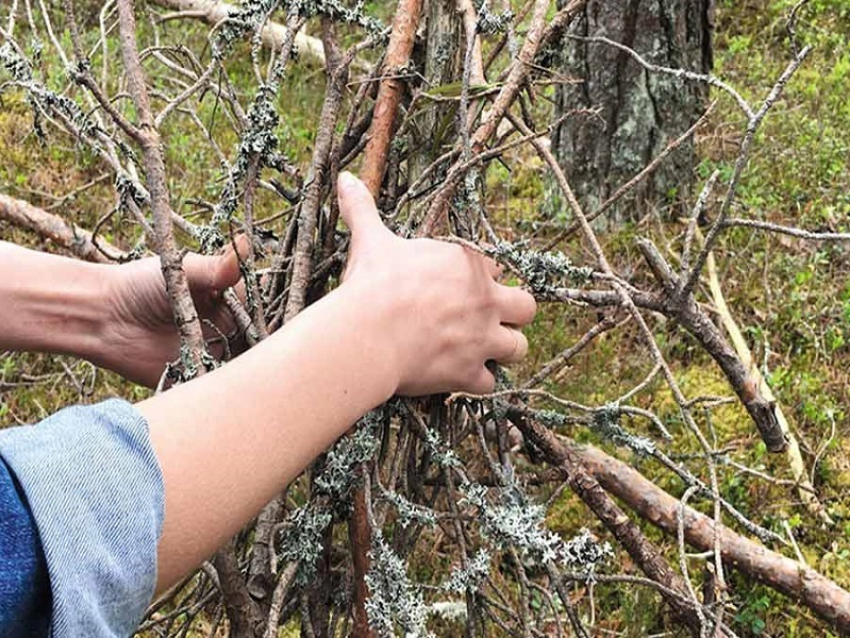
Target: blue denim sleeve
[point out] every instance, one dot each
(95, 489)
(24, 587)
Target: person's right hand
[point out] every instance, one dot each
(447, 316)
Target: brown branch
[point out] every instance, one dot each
(389, 94)
(302, 267)
(243, 613)
(628, 534)
(302, 272)
(193, 348)
(688, 312)
(52, 227)
(795, 460)
(823, 596)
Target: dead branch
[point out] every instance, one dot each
(823, 596)
(273, 35)
(688, 312)
(52, 227)
(380, 135)
(193, 349)
(389, 94)
(627, 533)
(795, 460)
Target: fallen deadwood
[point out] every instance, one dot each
(795, 459)
(212, 12)
(644, 553)
(805, 585)
(52, 227)
(824, 597)
(694, 319)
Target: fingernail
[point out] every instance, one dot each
(346, 181)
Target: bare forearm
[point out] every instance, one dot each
(50, 303)
(229, 441)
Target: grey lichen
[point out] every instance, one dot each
(490, 23)
(606, 421)
(45, 101)
(441, 453)
(337, 11)
(301, 539)
(408, 512)
(350, 451)
(395, 604)
(542, 271)
(516, 522)
(258, 142)
(469, 579)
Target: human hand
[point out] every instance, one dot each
(447, 316)
(139, 336)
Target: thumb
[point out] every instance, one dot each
(208, 273)
(357, 207)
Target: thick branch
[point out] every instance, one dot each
(54, 228)
(389, 94)
(824, 597)
(380, 135)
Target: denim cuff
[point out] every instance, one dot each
(96, 492)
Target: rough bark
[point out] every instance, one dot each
(443, 54)
(54, 228)
(639, 112)
(824, 597)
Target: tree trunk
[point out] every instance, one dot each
(640, 112)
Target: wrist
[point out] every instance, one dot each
(377, 324)
(58, 307)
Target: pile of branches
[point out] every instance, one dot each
(465, 478)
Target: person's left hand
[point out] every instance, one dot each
(139, 335)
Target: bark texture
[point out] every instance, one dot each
(801, 583)
(639, 112)
(54, 228)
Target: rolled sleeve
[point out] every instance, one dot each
(96, 493)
